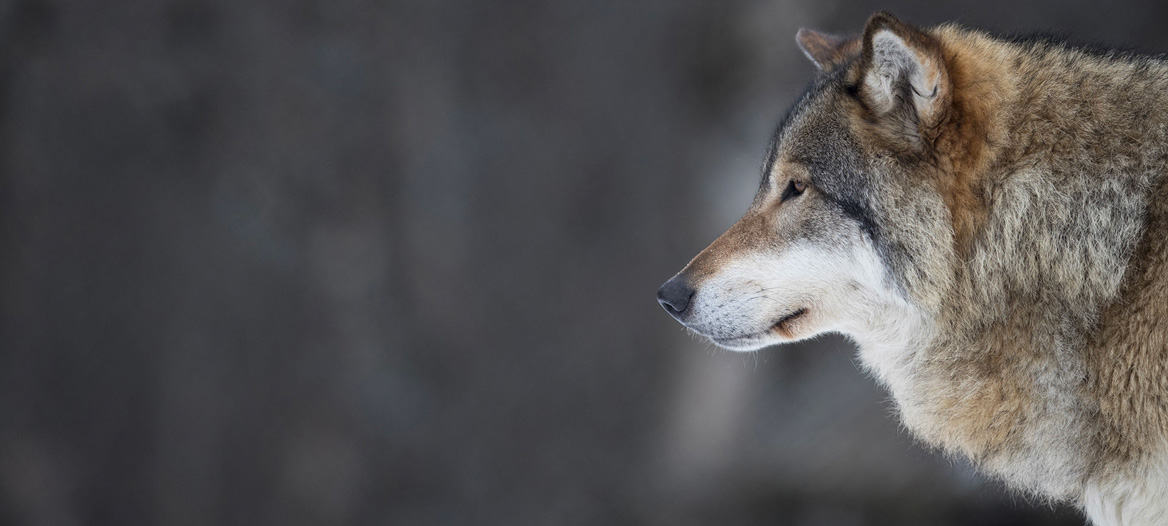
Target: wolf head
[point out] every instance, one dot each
(860, 211)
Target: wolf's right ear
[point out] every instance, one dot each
(901, 66)
(825, 50)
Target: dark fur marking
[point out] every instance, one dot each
(773, 149)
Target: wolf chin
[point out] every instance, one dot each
(987, 219)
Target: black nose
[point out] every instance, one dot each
(674, 296)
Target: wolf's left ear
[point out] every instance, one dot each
(826, 50)
(901, 65)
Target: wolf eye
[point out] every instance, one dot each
(794, 189)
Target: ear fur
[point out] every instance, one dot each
(827, 51)
(902, 73)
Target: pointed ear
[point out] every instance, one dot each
(825, 50)
(902, 68)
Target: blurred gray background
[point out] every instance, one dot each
(346, 262)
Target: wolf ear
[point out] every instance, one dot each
(902, 68)
(825, 50)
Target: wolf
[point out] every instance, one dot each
(987, 219)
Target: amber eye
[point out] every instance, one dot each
(794, 189)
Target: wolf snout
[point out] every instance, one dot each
(674, 296)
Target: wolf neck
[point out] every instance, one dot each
(1043, 107)
(1051, 158)
(1046, 214)
(891, 340)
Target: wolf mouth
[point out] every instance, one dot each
(779, 326)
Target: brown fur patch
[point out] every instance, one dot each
(1128, 357)
(750, 232)
(989, 404)
(968, 137)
